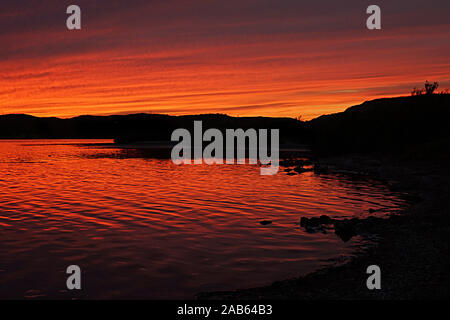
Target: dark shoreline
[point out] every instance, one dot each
(413, 250)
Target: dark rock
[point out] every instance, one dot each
(303, 221)
(345, 229)
(324, 219)
(265, 222)
(300, 169)
(315, 229)
(309, 222)
(315, 224)
(295, 163)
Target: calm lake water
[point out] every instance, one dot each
(145, 228)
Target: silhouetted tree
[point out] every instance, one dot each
(417, 92)
(431, 87)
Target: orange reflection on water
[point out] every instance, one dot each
(145, 228)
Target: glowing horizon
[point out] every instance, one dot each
(242, 58)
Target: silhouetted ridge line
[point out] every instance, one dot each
(413, 126)
(416, 127)
(134, 127)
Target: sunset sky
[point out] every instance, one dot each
(242, 58)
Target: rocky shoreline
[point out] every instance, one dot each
(412, 250)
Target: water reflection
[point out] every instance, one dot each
(141, 227)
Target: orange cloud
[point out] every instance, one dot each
(239, 66)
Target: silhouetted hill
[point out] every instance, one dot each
(136, 127)
(291, 130)
(416, 126)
